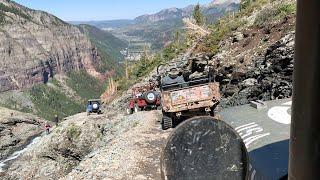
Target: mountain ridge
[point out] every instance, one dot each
(157, 28)
(174, 12)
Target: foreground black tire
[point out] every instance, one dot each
(166, 122)
(212, 156)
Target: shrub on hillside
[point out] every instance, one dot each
(270, 14)
(265, 16)
(220, 30)
(73, 132)
(2, 18)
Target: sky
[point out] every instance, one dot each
(86, 10)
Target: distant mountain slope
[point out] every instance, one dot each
(159, 28)
(108, 46)
(36, 45)
(216, 8)
(112, 24)
(166, 14)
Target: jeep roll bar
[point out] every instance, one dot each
(193, 82)
(186, 83)
(94, 100)
(183, 60)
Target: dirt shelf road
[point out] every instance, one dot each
(134, 154)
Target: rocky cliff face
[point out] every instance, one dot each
(35, 46)
(16, 130)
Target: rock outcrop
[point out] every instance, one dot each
(16, 130)
(61, 150)
(35, 46)
(107, 146)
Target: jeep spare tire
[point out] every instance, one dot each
(150, 96)
(95, 106)
(204, 148)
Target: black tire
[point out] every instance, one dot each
(150, 101)
(215, 111)
(136, 108)
(166, 122)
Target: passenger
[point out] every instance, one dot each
(56, 120)
(47, 127)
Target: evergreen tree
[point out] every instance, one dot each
(177, 37)
(197, 15)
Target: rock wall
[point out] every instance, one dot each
(35, 46)
(269, 78)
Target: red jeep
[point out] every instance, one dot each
(144, 98)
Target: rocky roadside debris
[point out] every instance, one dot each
(269, 78)
(16, 130)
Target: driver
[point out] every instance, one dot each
(174, 77)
